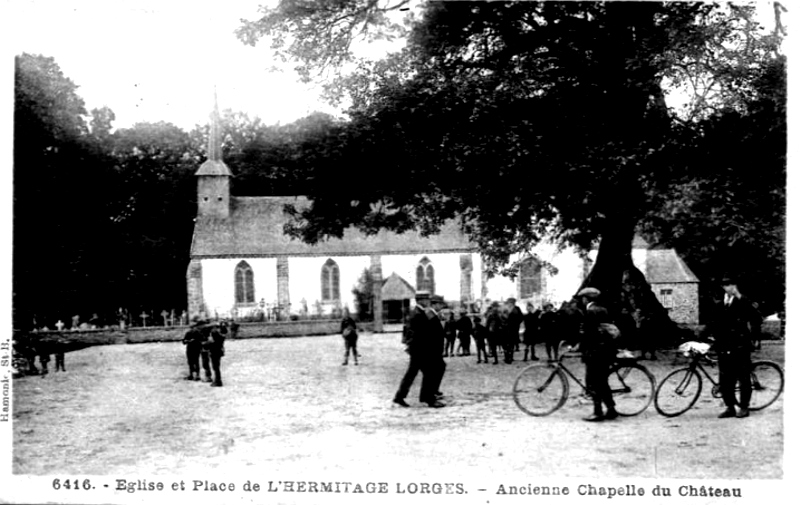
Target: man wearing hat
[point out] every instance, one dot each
(434, 366)
(193, 341)
(733, 327)
(424, 344)
(598, 352)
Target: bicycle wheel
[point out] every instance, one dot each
(540, 389)
(766, 378)
(632, 387)
(678, 392)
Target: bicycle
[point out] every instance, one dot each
(680, 389)
(541, 389)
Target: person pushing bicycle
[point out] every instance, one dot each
(598, 353)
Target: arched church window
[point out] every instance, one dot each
(330, 281)
(245, 292)
(530, 277)
(425, 276)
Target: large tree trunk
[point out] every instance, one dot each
(644, 322)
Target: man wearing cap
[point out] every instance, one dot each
(733, 329)
(424, 348)
(598, 352)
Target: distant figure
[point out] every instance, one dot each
(44, 359)
(513, 322)
(215, 346)
(450, 335)
(60, 359)
(479, 334)
(350, 335)
(531, 335)
(494, 329)
(464, 328)
(193, 340)
(548, 330)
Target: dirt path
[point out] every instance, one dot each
(289, 406)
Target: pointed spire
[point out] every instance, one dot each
(214, 164)
(214, 142)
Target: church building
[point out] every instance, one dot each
(242, 265)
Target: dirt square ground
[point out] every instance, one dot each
(289, 405)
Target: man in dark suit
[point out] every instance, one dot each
(414, 334)
(193, 340)
(433, 365)
(213, 350)
(733, 327)
(424, 343)
(598, 353)
(511, 337)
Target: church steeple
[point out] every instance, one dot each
(214, 152)
(213, 177)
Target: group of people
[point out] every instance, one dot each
(205, 342)
(27, 347)
(428, 341)
(501, 330)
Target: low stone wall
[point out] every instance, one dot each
(74, 340)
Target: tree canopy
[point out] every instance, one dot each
(527, 120)
(103, 217)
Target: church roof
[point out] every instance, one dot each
(214, 167)
(665, 266)
(255, 229)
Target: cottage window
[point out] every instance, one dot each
(330, 281)
(425, 276)
(530, 278)
(667, 301)
(245, 293)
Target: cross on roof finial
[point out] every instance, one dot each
(214, 142)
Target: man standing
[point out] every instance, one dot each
(216, 350)
(530, 337)
(733, 328)
(494, 329)
(193, 340)
(350, 336)
(513, 323)
(434, 365)
(598, 352)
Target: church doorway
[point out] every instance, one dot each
(396, 294)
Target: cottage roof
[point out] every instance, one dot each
(396, 288)
(255, 228)
(665, 266)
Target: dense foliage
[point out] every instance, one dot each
(103, 218)
(549, 119)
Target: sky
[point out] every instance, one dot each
(160, 60)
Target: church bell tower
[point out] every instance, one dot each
(213, 177)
